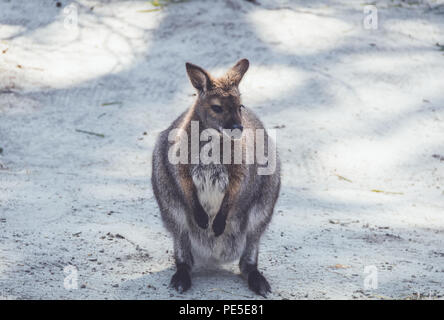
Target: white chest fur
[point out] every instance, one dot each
(211, 183)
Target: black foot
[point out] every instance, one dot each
(201, 217)
(181, 280)
(219, 225)
(258, 283)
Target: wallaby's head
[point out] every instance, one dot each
(218, 104)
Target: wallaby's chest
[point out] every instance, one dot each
(211, 183)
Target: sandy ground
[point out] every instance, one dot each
(360, 117)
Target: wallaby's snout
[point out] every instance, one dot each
(236, 119)
(238, 127)
(234, 124)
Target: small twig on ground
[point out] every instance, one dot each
(385, 192)
(149, 10)
(343, 178)
(111, 103)
(91, 133)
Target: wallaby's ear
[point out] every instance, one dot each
(237, 72)
(200, 79)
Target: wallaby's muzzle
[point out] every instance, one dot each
(237, 126)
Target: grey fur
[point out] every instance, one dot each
(249, 214)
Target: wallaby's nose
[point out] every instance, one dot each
(237, 126)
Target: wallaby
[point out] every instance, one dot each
(217, 211)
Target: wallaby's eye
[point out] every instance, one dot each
(216, 108)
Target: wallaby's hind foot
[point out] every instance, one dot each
(258, 284)
(181, 280)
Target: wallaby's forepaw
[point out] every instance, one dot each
(201, 218)
(219, 225)
(258, 283)
(181, 280)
